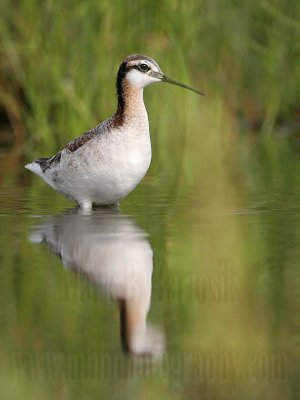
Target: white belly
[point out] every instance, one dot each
(106, 171)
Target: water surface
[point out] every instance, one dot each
(188, 291)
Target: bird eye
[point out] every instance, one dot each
(144, 67)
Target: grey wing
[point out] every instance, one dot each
(81, 140)
(49, 162)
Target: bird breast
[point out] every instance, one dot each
(108, 167)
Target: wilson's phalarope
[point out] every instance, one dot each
(106, 163)
(115, 256)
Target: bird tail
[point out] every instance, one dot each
(35, 167)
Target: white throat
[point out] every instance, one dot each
(139, 79)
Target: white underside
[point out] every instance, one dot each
(102, 171)
(117, 258)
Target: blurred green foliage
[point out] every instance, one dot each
(216, 201)
(59, 60)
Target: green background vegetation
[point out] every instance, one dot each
(222, 193)
(59, 59)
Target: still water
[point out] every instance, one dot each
(185, 293)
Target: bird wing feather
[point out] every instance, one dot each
(49, 162)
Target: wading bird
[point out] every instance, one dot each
(107, 162)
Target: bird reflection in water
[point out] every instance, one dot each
(115, 255)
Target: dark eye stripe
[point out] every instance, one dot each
(144, 67)
(140, 67)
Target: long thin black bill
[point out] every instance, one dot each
(170, 80)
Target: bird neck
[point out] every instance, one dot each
(133, 316)
(130, 103)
